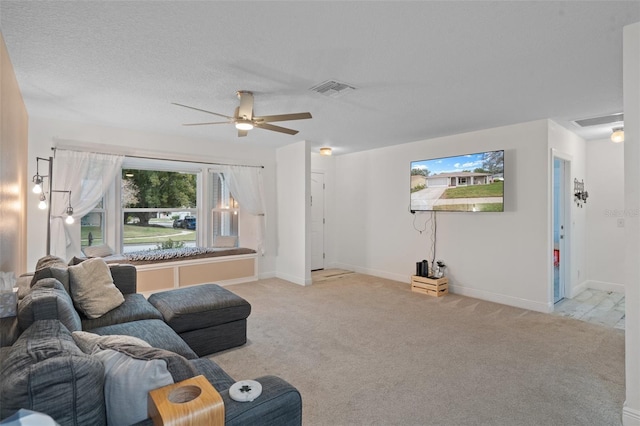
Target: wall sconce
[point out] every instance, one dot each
(579, 194)
(618, 135)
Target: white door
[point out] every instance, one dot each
(317, 221)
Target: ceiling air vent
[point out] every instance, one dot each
(599, 121)
(332, 88)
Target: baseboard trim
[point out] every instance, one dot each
(630, 416)
(606, 286)
(578, 289)
(375, 273)
(459, 289)
(296, 280)
(501, 298)
(266, 275)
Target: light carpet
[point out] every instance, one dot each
(364, 350)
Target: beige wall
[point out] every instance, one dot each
(13, 169)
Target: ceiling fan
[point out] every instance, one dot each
(244, 119)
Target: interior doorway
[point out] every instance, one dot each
(317, 221)
(561, 209)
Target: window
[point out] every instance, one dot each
(224, 212)
(159, 209)
(92, 226)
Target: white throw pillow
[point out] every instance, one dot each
(127, 382)
(87, 342)
(98, 251)
(223, 241)
(92, 288)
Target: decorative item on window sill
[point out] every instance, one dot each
(579, 193)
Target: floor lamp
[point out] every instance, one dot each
(38, 181)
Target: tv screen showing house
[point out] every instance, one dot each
(467, 183)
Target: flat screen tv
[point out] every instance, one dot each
(467, 183)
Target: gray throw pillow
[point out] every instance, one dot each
(131, 372)
(92, 288)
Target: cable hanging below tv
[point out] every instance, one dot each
(466, 183)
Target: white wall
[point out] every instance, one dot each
(631, 72)
(42, 133)
(605, 206)
(572, 146)
(493, 256)
(293, 262)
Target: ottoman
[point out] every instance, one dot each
(208, 317)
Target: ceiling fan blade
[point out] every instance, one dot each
(206, 124)
(276, 128)
(245, 110)
(283, 117)
(202, 110)
(242, 133)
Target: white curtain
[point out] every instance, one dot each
(87, 175)
(247, 188)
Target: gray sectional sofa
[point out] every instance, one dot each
(49, 369)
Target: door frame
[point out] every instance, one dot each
(324, 215)
(565, 258)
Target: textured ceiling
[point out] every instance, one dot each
(421, 69)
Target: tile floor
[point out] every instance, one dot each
(596, 306)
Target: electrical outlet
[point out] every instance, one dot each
(620, 222)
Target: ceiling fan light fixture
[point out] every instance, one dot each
(618, 135)
(325, 151)
(244, 125)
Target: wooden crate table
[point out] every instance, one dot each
(436, 287)
(192, 402)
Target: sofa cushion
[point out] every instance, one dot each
(60, 273)
(202, 306)
(134, 308)
(48, 300)
(42, 270)
(92, 288)
(153, 331)
(131, 372)
(45, 371)
(87, 342)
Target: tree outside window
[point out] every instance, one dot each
(159, 209)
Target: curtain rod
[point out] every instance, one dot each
(54, 149)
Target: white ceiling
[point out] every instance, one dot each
(421, 69)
